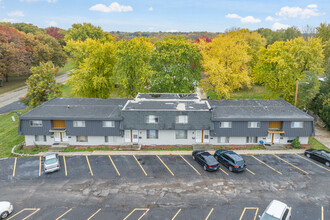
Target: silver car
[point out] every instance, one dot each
(51, 162)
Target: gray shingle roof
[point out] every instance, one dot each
(77, 108)
(247, 109)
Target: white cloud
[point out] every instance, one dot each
(247, 19)
(173, 30)
(294, 12)
(51, 23)
(16, 14)
(270, 18)
(12, 20)
(279, 26)
(113, 7)
(150, 9)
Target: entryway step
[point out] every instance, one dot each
(274, 147)
(205, 147)
(130, 147)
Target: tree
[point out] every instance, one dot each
(283, 63)
(133, 69)
(323, 32)
(225, 62)
(42, 85)
(176, 64)
(271, 36)
(205, 38)
(81, 32)
(94, 77)
(56, 33)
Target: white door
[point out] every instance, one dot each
(57, 137)
(198, 136)
(135, 136)
(277, 138)
(64, 137)
(127, 135)
(269, 138)
(206, 136)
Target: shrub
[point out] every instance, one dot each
(296, 144)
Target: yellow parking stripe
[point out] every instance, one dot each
(89, 165)
(207, 217)
(114, 165)
(322, 213)
(165, 165)
(140, 165)
(250, 171)
(138, 209)
(26, 209)
(224, 171)
(313, 162)
(176, 214)
(94, 214)
(39, 165)
(290, 164)
(190, 164)
(246, 208)
(14, 170)
(64, 214)
(66, 171)
(266, 164)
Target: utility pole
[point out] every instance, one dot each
(295, 100)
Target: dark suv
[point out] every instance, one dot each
(231, 160)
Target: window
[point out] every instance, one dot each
(152, 134)
(109, 139)
(40, 138)
(108, 124)
(78, 123)
(296, 124)
(152, 119)
(82, 138)
(225, 124)
(181, 134)
(181, 119)
(223, 139)
(254, 125)
(36, 123)
(251, 140)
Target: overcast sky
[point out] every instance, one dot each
(168, 15)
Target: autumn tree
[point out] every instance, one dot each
(81, 32)
(41, 85)
(133, 69)
(176, 64)
(94, 77)
(56, 33)
(225, 63)
(283, 63)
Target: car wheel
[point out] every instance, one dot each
(216, 157)
(308, 155)
(194, 158)
(205, 167)
(4, 215)
(230, 168)
(327, 164)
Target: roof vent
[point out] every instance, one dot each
(68, 107)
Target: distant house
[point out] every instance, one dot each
(164, 119)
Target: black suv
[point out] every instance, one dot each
(231, 160)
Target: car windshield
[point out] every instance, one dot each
(268, 217)
(50, 161)
(325, 154)
(210, 160)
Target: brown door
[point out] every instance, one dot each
(275, 124)
(59, 124)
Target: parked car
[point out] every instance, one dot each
(276, 210)
(51, 162)
(5, 209)
(205, 159)
(322, 156)
(231, 160)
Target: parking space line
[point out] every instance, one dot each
(190, 164)
(251, 208)
(290, 164)
(138, 209)
(94, 214)
(207, 217)
(66, 171)
(14, 170)
(64, 214)
(250, 171)
(114, 165)
(313, 162)
(177, 213)
(140, 165)
(322, 213)
(39, 165)
(26, 209)
(266, 164)
(89, 165)
(224, 171)
(165, 165)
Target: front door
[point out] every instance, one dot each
(276, 138)
(198, 136)
(135, 136)
(127, 135)
(64, 137)
(206, 136)
(57, 137)
(269, 138)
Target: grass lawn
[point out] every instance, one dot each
(9, 134)
(315, 144)
(14, 82)
(68, 66)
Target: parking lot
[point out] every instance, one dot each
(163, 187)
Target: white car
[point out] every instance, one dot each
(276, 210)
(5, 209)
(51, 162)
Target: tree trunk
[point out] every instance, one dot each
(6, 77)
